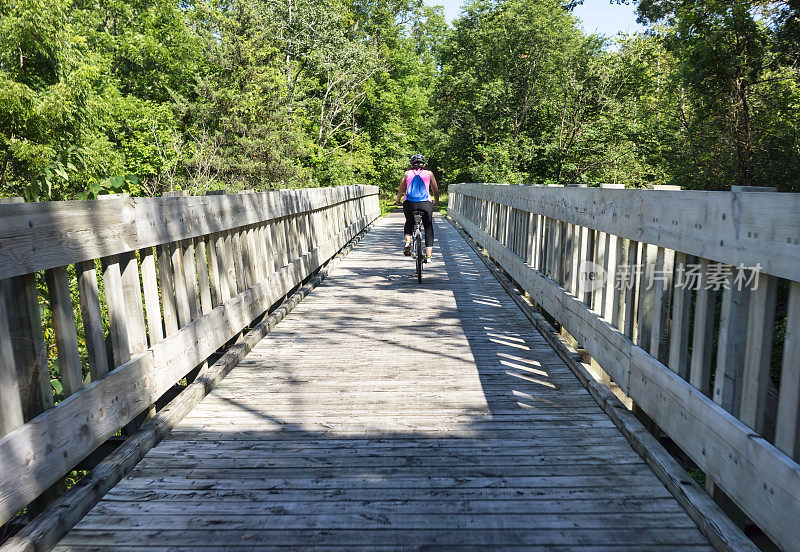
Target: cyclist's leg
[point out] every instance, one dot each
(427, 222)
(408, 226)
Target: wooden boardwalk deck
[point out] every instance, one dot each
(384, 414)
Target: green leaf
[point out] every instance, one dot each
(56, 385)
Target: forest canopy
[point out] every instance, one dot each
(146, 96)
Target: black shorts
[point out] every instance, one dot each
(427, 218)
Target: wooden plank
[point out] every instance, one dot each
(618, 307)
(540, 220)
(238, 260)
(646, 306)
(42, 235)
(214, 271)
(190, 273)
(69, 359)
(281, 248)
(610, 295)
(314, 227)
(638, 295)
(525, 236)
(27, 339)
(152, 305)
(132, 289)
(38, 236)
(225, 274)
(167, 290)
(703, 334)
(291, 238)
(235, 282)
(259, 245)
(92, 319)
(54, 440)
(787, 430)
(557, 245)
(530, 238)
(549, 250)
(679, 331)
(731, 347)
(302, 232)
(665, 259)
(755, 372)
(511, 229)
(202, 257)
(598, 293)
(115, 303)
(10, 400)
(729, 227)
(179, 280)
(630, 290)
(268, 245)
(568, 255)
(248, 256)
(394, 539)
(167, 219)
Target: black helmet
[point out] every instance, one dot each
(417, 160)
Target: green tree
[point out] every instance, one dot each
(502, 76)
(730, 63)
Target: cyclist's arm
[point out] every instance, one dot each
(434, 188)
(401, 190)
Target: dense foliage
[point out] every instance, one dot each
(146, 96)
(708, 98)
(151, 95)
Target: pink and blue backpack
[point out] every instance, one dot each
(418, 182)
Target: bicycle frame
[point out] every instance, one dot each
(417, 240)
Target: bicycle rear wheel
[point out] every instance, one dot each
(418, 247)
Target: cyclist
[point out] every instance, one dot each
(415, 191)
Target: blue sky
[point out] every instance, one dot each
(598, 16)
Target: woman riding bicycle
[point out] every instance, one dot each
(415, 191)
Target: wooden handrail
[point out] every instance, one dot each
(728, 227)
(161, 284)
(39, 236)
(715, 408)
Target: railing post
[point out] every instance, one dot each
(787, 430)
(25, 335)
(10, 399)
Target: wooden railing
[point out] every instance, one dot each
(696, 361)
(140, 292)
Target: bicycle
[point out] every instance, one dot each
(417, 252)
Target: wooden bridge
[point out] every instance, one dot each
(508, 401)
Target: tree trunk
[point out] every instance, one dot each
(743, 134)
